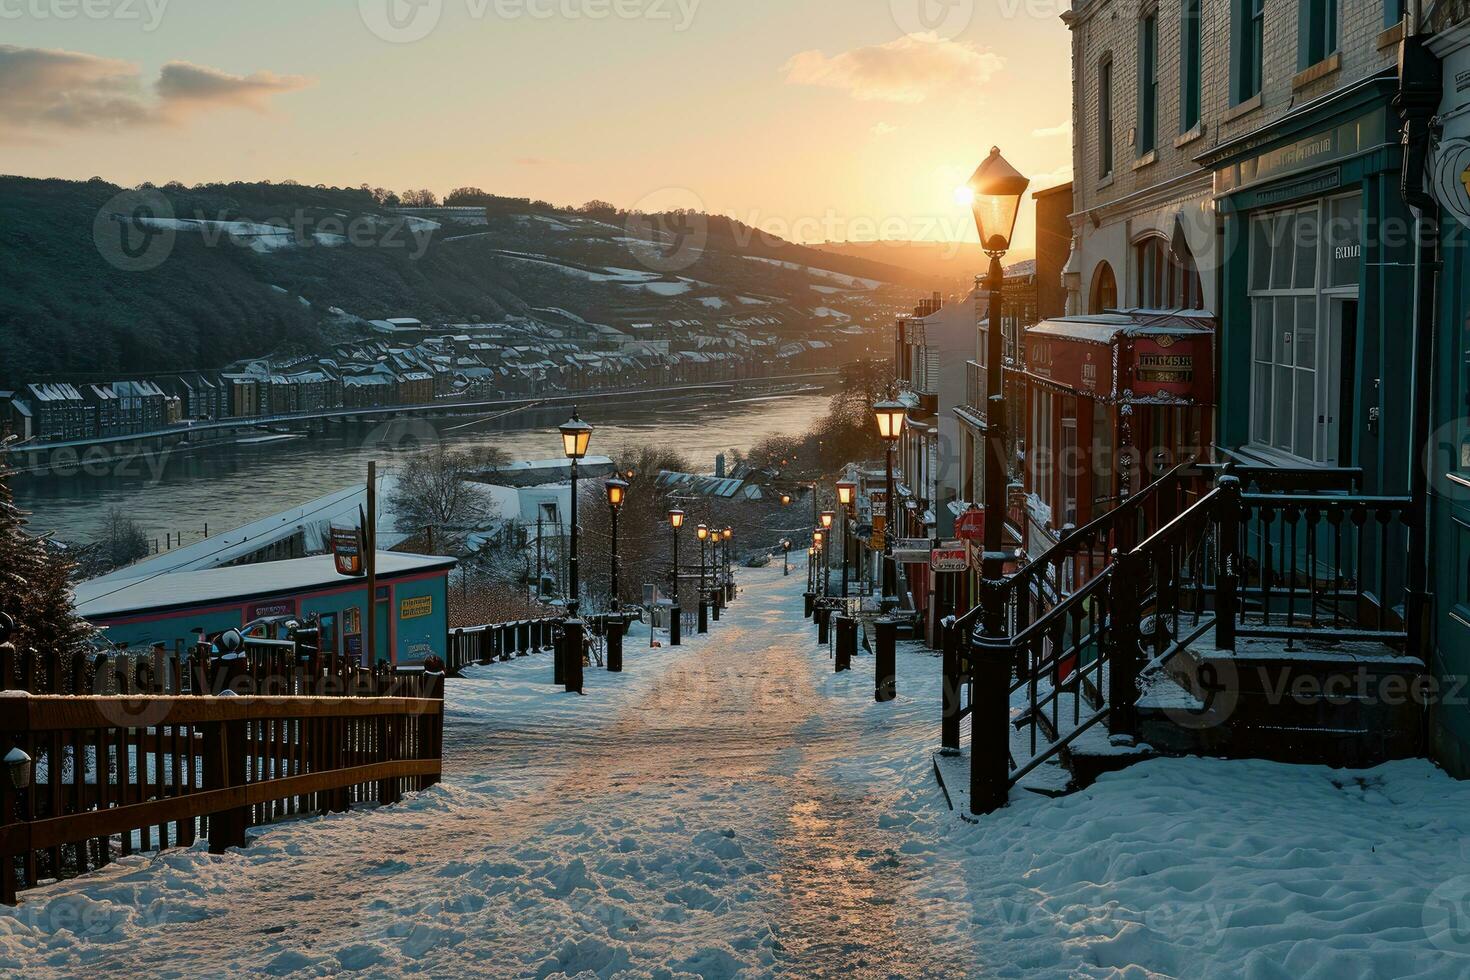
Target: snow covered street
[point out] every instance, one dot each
(730, 808)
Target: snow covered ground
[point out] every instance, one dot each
(730, 808)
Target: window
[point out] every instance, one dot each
(1105, 118)
(1166, 281)
(1302, 316)
(1148, 83)
(1249, 28)
(1394, 11)
(1104, 290)
(1190, 65)
(1317, 34)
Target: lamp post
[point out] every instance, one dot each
(819, 542)
(702, 532)
(998, 190)
(827, 519)
(785, 557)
(728, 536)
(617, 492)
(575, 437)
(676, 521)
(846, 496)
(891, 416)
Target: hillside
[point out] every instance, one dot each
(240, 270)
(942, 263)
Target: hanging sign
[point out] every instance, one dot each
(949, 559)
(911, 551)
(347, 548)
(970, 526)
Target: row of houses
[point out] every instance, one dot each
(404, 362)
(1257, 265)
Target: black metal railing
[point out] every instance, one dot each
(500, 641)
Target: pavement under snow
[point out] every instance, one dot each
(730, 808)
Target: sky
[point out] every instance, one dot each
(821, 120)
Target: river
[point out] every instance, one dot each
(228, 485)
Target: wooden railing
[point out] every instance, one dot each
(502, 641)
(114, 775)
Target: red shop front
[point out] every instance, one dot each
(1113, 401)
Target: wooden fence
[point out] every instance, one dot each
(117, 774)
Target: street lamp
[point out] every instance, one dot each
(891, 416)
(617, 492)
(847, 497)
(676, 521)
(998, 190)
(702, 532)
(728, 536)
(575, 437)
(785, 500)
(826, 519)
(785, 557)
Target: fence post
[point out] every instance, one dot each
(572, 657)
(431, 727)
(846, 643)
(560, 657)
(224, 768)
(824, 620)
(614, 631)
(9, 797)
(1227, 573)
(949, 727)
(1125, 647)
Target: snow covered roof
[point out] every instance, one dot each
(1102, 328)
(100, 600)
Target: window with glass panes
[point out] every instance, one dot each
(1105, 117)
(1317, 31)
(1249, 28)
(1191, 63)
(1302, 260)
(1166, 281)
(1148, 83)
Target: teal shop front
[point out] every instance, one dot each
(1315, 338)
(412, 621)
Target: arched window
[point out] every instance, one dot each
(1104, 290)
(1167, 277)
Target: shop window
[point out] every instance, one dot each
(1303, 319)
(1043, 452)
(1104, 290)
(1148, 83)
(1248, 28)
(1316, 32)
(1069, 460)
(1166, 281)
(1191, 63)
(1105, 117)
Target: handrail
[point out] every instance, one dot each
(1174, 526)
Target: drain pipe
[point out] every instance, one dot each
(1417, 102)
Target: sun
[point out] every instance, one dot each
(964, 196)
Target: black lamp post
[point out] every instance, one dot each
(676, 521)
(727, 537)
(785, 557)
(617, 492)
(998, 190)
(575, 437)
(846, 496)
(819, 542)
(891, 416)
(702, 532)
(827, 519)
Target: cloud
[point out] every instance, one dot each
(1063, 128)
(181, 85)
(908, 70)
(883, 129)
(53, 89)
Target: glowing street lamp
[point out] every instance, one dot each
(891, 416)
(617, 493)
(702, 532)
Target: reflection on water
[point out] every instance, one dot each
(225, 486)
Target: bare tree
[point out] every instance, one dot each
(435, 493)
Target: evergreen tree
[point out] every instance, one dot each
(35, 588)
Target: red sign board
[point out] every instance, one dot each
(970, 526)
(347, 547)
(1178, 367)
(1079, 365)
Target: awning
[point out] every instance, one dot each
(1162, 357)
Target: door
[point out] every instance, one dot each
(1334, 399)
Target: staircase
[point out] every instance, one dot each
(1246, 624)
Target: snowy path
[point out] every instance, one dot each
(733, 809)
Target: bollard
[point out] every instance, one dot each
(703, 624)
(846, 643)
(572, 655)
(949, 727)
(885, 679)
(559, 659)
(614, 643)
(808, 603)
(676, 616)
(713, 606)
(730, 591)
(824, 625)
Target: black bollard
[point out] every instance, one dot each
(572, 655)
(676, 615)
(559, 660)
(807, 605)
(824, 625)
(615, 644)
(846, 643)
(714, 607)
(885, 679)
(703, 623)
